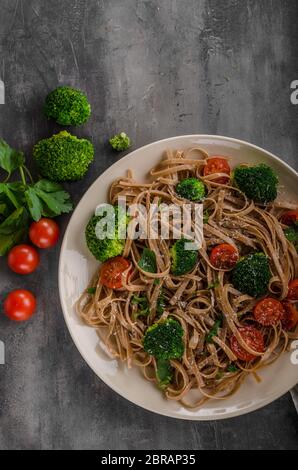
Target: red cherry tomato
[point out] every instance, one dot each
(23, 259)
(293, 290)
(44, 233)
(19, 305)
(113, 270)
(289, 218)
(224, 256)
(268, 311)
(253, 338)
(217, 164)
(290, 317)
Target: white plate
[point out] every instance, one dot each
(77, 266)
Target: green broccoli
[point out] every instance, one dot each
(164, 340)
(120, 142)
(105, 248)
(183, 261)
(258, 182)
(63, 157)
(164, 373)
(68, 106)
(191, 188)
(160, 303)
(143, 307)
(252, 274)
(291, 233)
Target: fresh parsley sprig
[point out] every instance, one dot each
(23, 199)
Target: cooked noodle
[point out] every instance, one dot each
(233, 219)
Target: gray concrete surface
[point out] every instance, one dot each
(154, 69)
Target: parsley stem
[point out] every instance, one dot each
(23, 176)
(28, 173)
(7, 178)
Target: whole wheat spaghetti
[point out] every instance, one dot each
(209, 369)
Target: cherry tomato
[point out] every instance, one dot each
(290, 317)
(217, 164)
(268, 311)
(44, 233)
(289, 218)
(19, 305)
(224, 256)
(253, 338)
(112, 271)
(23, 259)
(293, 290)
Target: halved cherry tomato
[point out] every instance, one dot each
(44, 233)
(224, 256)
(113, 270)
(289, 218)
(268, 311)
(253, 338)
(217, 164)
(19, 305)
(290, 317)
(293, 290)
(23, 259)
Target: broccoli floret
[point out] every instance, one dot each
(106, 248)
(120, 142)
(164, 340)
(252, 274)
(63, 157)
(258, 182)
(291, 233)
(183, 260)
(191, 188)
(68, 106)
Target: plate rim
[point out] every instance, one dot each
(169, 414)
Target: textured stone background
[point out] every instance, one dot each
(155, 69)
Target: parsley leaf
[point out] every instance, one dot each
(34, 204)
(213, 285)
(91, 290)
(291, 233)
(143, 306)
(232, 368)
(205, 216)
(3, 208)
(13, 192)
(213, 331)
(13, 230)
(10, 159)
(161, 303)
(47, 199)
(148, 261)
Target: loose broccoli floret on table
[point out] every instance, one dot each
(68, 106)
(120, 142)
(63, 157)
